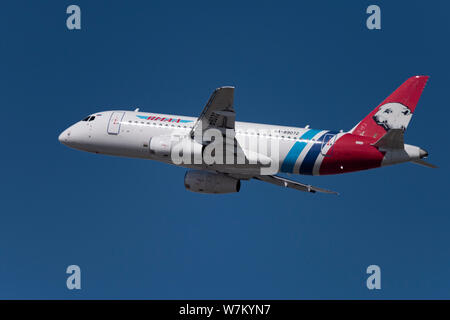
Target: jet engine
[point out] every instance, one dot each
(209, 182)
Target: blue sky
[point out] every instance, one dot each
(130, 225)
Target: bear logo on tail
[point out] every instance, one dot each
(393, 116)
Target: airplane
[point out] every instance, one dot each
(376, 141)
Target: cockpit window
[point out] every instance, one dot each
(86, 119)
(92, 118)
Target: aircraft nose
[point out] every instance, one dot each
(64, 136)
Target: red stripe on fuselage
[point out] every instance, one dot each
(351, 153)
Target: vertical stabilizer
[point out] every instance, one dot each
(395, 111)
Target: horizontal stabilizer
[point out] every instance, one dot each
(421, 162)
(393, 139)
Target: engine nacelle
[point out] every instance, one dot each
(209, 182)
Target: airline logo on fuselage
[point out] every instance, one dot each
(173, 120)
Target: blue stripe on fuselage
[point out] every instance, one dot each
(307, 165)
(297, 148)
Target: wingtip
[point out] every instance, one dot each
(316, 189)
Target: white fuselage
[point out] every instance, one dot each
(128, 134)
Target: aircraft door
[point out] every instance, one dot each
(114, 122)
(327, 144)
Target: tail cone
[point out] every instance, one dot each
(423, 153)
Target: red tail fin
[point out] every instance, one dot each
(395, 111)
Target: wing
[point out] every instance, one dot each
(283, 182)
(218, 112)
